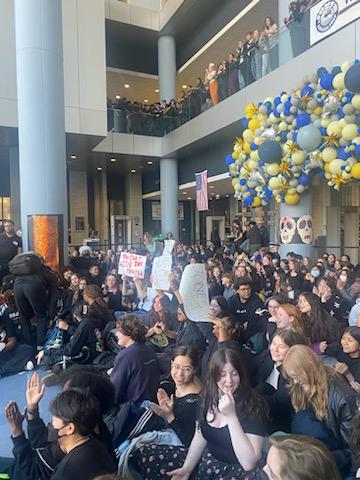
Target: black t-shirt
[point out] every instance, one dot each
(114, 301)
(219, 440)
(9, 248)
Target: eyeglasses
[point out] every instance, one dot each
(179, 368)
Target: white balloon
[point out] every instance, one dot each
(300, 188)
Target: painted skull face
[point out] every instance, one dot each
(304, 227)
(287, 229)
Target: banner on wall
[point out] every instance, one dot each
(156, 211)
(195, 293)
(296, 229)
(160, 272)
(132, 265)
(328, 16)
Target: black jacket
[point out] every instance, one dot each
(249, 314)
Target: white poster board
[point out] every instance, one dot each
(132, 265)
(160, 272)
(195, 293)
(168, 247)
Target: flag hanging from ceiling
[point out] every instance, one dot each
(202, 191)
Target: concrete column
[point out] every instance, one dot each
(292, 239)
(15, 185)
(285, 50)
(351, 234)
(40, 96)
(168, 166)
(101, 207)
(78, 199)
(333, 231)
(134, 206)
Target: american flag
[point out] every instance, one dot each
(201, 191)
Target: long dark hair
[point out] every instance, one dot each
(248, 402)
(317, 325)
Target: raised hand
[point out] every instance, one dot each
(34, 391)
(226, 405)
(15, 418)
(166, 403)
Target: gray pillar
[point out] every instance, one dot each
(293, 235)
(15, 185)
(134, 206)
(285, 50)
(168, 166)
(40, 91)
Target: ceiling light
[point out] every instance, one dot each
(227, 196)
(117, 97)
(184, 193)
(133, 170)
(127, 85)
(217, 196)
(183, 86)
(99, 169)
(189, 198)
(149, 162)
(146, 100)
(73, 157)
(112, 160)
(157, 90)
(211, 186)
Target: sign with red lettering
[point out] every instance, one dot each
(132, 265)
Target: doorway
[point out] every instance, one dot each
(215, 223)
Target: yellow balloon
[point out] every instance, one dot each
(327, 167)
(292, 198)
(335, 166)
(248, 136)
(355, 171)
(350, 131)
(237, 187)
(283, 126)
(334, 128)
(274, 183)
(298, 157)
(252, 164)
(254, 124)
(237, 148)
(325, 122)
(338, 81)
(329, 154)
(246, 147)
(356, 140)
(235, 155)
(272, 169)
(256, 202)
(254, 155)
(318, 111)
(345, 66)
(355, 101)
(250, 110)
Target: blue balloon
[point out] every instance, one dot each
(253, 146)
(304, 179)
(302, 120)
(352, 78)
(309, 138)
(307, 91)
(229, 159)
(336, 70)
(277, 101)
(245, 122)
(242, 181)
(270, 152)
(342, 154)
(321, 72)
(326, 81)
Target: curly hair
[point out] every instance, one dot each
(132, 327)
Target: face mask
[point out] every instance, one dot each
(53, 433)
(343, 278)
(291, 294)
(315, 273)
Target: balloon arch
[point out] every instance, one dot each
(313, 130)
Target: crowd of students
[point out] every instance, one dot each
(148, 393)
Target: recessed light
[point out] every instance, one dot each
(184, 193)
(183, 86)
(117, 97)
(189, 198)
(217, 196)
(73, 157)
(157, 90)
(127, 85)
(133, 170)
(99, 169)
(211, 186)
(112, 160)
(227, 196)
(149, 162)
(146, 100)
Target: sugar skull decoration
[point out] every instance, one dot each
(287, 229)
(304, 228)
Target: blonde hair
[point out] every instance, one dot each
(301, 360)
(304, 458)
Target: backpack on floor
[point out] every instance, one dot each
(25, 264)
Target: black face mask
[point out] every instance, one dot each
(53, 433)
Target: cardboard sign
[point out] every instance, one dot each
(195, 293)
(132, 265)
(160, 272)
(168, 247)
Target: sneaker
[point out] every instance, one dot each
(29, 366)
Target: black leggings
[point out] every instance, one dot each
(31, 300)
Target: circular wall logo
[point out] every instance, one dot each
(327, 16)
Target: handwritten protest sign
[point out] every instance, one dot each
(132, 265)
(168, 247)
(195, 294)
(160, 272)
